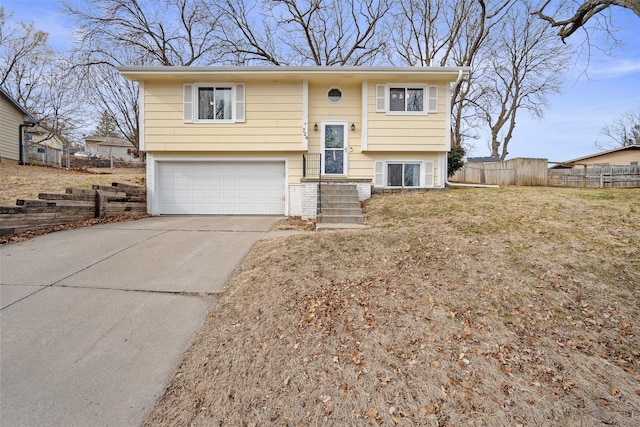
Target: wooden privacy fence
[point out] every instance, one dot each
(75, 205)
(596, 177)
(519, 171)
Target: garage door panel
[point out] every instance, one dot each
(221, 187)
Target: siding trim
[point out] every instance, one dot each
(364, 134)
(447, 118)
(140, 116)
(305, 115)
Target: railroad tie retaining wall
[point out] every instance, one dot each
(74, 205)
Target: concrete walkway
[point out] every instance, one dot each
(93, 321)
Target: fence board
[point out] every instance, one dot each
(596, 177)
(519, 171)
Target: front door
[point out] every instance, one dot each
(334, 148)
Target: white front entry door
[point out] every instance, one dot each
(334, 148)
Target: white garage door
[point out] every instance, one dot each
(224, 188)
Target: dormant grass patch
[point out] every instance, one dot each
(514, 306)
(26, 182)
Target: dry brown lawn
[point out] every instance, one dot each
(498, 307)
(26, 182)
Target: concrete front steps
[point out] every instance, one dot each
(340, 205)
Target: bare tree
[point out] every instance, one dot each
(39, 78)
(169, 32)
(624, 130)
(428, 32)
(306, 32)
(522, 68)
(117, 33)
(585, 12)
(17, 43)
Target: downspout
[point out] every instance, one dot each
(446, 164)
(20, 142)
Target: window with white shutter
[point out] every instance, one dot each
(381, 98)
(214, 103)
(432, 99)
(428, 174)
(379, 170)
(187, 109)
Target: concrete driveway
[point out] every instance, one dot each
(93, 321)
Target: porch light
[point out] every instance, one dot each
(353, 126)
(315, 127)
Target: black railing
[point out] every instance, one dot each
(311, 168)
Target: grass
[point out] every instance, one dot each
(513, 306)
(26, 182)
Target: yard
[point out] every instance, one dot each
(513, 306)
(26, 182)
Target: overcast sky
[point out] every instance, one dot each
(571, 125)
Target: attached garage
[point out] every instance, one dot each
(221, 187)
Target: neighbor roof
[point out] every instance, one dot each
(290, 72)
(579, 159)
(18, 106)
(113, 142)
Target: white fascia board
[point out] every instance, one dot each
(142, 73)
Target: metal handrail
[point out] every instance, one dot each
(310, 162)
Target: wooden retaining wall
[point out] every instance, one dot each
(75, 205)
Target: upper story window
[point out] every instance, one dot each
(213, 103)
(334, 94)
(406, 99)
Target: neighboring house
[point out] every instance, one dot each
(243, 140)
(44, 148)
(628, 156)
(13, 120)
(111, 148)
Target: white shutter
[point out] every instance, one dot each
(378, 181)
(381, 99)
(187, 106)
(432, 99)
(240, 102)
(428, 174)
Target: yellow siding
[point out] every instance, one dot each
(10, 120)
(273, 112)
(349, 110)
(406, 132)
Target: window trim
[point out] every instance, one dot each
(341, 94)
(429, 100)
(191, 102)
(426, 173)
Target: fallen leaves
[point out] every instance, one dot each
(502, 328)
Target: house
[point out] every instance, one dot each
(112, 148)
(43, 147)
(628, 156)
(247, 140)
(13, 119)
